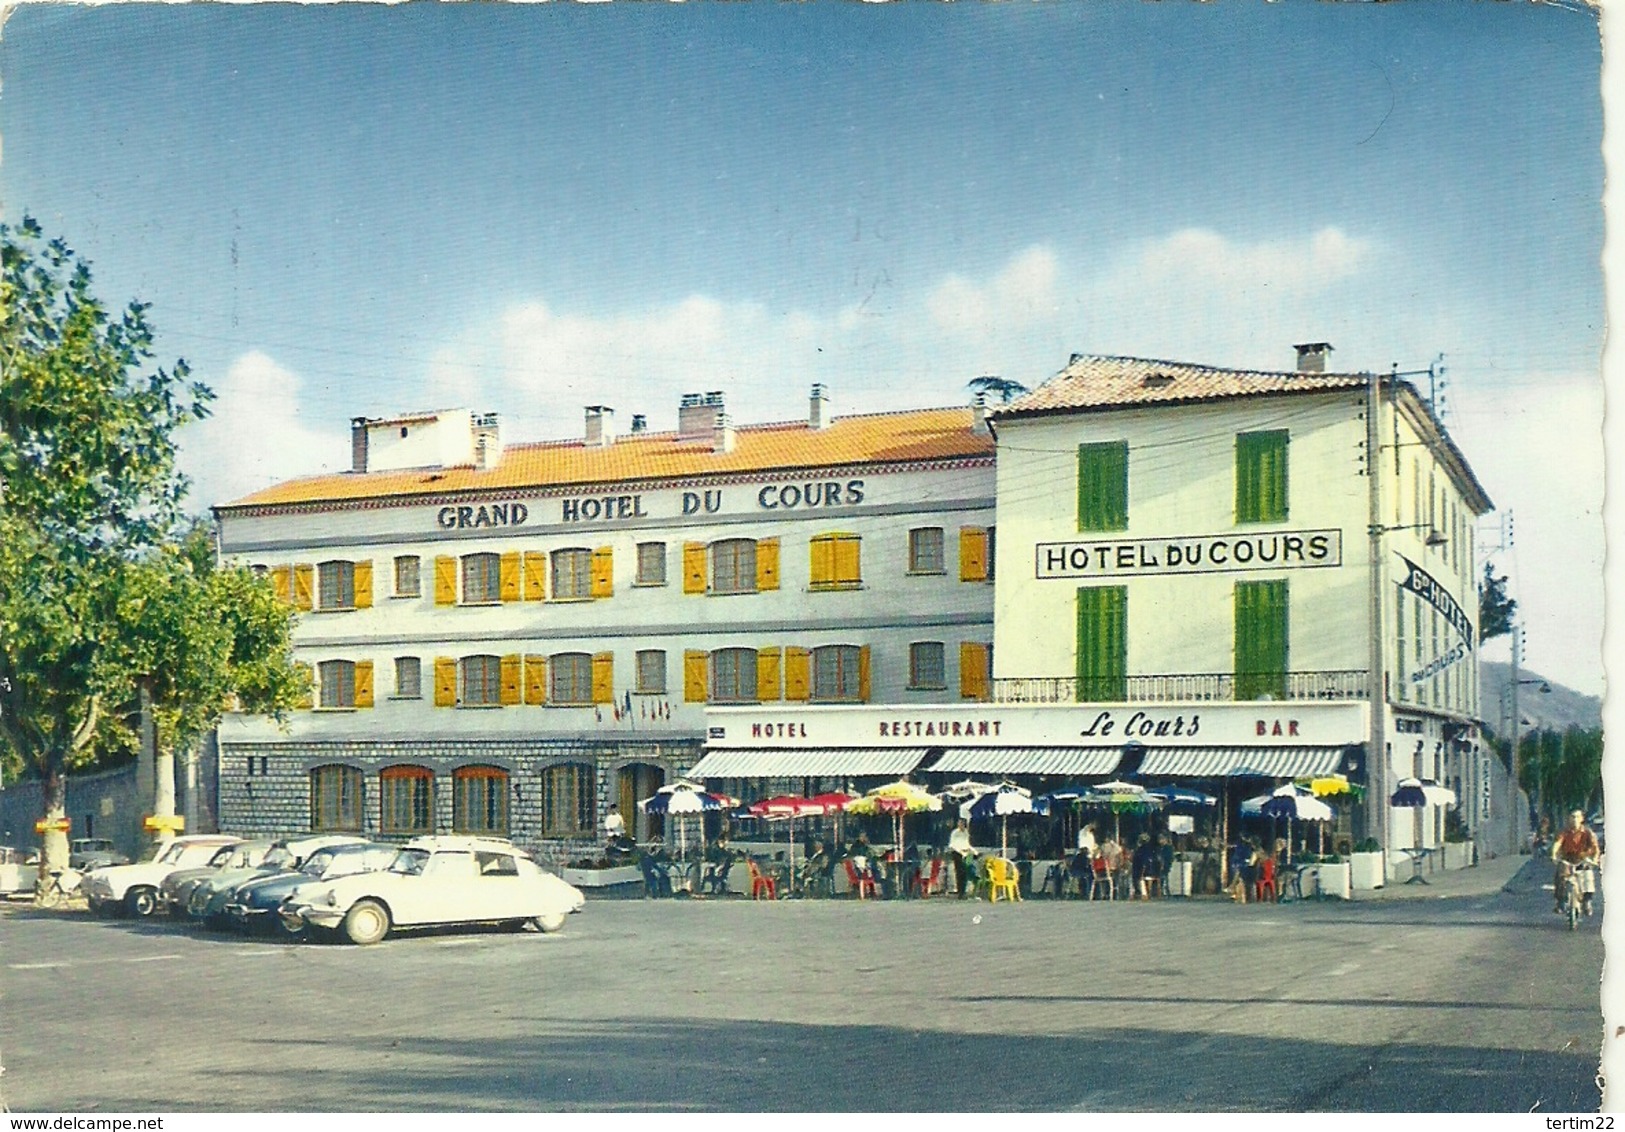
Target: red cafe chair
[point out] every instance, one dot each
(864, 886)
(926, 883)
(760, 883)
(1266, 880)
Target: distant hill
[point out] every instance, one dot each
(1558, 709)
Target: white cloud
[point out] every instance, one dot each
(257, 435)
(1020, 295)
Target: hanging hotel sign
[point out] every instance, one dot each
(1190, 554)
(1426, 587)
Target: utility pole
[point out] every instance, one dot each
(1512, 756)
(1376, 760)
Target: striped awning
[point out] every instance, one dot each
(830, 763)
(1240, 762)
(1028, 760)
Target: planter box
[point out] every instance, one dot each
(602, 878)
(1329, 880)
(1366, 871)
(1458, 854)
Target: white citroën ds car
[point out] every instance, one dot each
(434, 881)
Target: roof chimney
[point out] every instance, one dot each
(722, 433)
(358, 444)
(697, 415)
(978, 414)
(1312, 356)
(818, 408)
(640, 423)
(600, 426)
(487, 441)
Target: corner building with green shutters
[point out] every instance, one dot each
(1184, 543)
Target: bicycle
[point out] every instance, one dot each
(57, 889)
(1577, 885)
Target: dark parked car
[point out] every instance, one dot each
(253, 904)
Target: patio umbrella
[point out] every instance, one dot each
(1418, 792)
(1292, 802)
(833, 803)
(1182, 797)
(787, 808)
(1120, 798)
(1001, 803)
(680, 799)
(1330, 786)
(896, 799)
(966, 788)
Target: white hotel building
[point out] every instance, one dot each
(511, 638)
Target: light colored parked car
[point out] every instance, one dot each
(86, 853)
(134, 888)
(242, 862)
(206, 898)
(253, 904)
(437, 880)
(18, 870)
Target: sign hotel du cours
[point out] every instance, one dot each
(614, 506)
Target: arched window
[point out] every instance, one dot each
(835, 673)
(733, 676)
(335, 799)
(482, 578)
(569, 800)
(569, 676)
(407, 797)
(733, 566)
(482, 680)
(338, 683)
(479, 800)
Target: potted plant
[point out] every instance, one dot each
(600, 872)
(1366, 865)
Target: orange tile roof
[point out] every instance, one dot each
(1095, 381)
(877, 438)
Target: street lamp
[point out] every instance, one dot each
(1511, 692)
(1434, 538)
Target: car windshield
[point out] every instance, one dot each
(171, 852)
(409, 861)
(316, 864)
(280, 857)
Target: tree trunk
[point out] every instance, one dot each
(54, 842)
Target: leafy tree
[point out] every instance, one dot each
(88, 483)
(1003, 388)
(1495, 608)
(1562, 771)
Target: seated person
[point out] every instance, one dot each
(816, 871)
(719, 859)
(1081, 871)
(655, 864)
(862, 858)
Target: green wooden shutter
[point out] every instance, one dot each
(1102, 643)
(1103, 486)
(1261, 476)
(1261, 639)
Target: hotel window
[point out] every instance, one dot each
(1102, 487)
(568, 808)
(407, 799)
(482, 681)
(651, 564)
(652, 672)
(733, 676)
(837, 562)
(1261, 476)
(335, 585)
(925, 551)
(572, 573)
(1102, 660)
(408, 678)
(335, 799)
(338, 683)
(569, 677)
(926, 667)
(837, 674)
(479, 800)
(407, 580)
(1261, 640)
(733, 566)
(482, 578)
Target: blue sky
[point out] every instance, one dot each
(352, 210)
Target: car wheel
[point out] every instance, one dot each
(141, 902)
(366, 922)
(283, 931)
(98, 907)
(549, 922)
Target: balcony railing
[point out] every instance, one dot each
(1186, 687)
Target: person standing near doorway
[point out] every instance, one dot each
(961, 850)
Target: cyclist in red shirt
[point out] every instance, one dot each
(1575, 845)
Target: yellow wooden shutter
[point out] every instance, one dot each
(767, 674)
(603, 678)
(282, 582)
(694, 567)
(535, 576)
(822, 567)
(508, 576)
(307, 697)
(445, 681)
(767, 564)
(445, 580)
(603, 571)
(363, 683)
(863, 673)
(535, 680)
(797, 666)
(362, 583)
(972, 670)
(694, 666)
(848, 571)
(509, 677)
(304, 586)
(972, 554)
